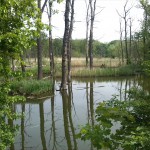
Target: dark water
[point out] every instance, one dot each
(52, 123)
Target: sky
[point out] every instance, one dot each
(106, 26)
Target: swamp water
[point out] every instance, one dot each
(52, 123)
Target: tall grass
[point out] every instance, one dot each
(101, 72)
(102, 67)
(31, 87)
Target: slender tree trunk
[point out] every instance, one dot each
(69, 40)
(65, 44)
(87, 34)
(121, 44)
(39, 58)
(92, 7)
(145, 35)
(126, 43)
(39, 49)
(130, 45)
(126, 12)
(51, 55)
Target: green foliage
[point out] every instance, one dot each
(146, 67)
(132, 120)
(18, 23)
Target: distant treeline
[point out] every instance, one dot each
(111, 49)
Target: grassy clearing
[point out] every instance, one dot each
(31, 87)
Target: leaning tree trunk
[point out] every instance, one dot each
(65, 44)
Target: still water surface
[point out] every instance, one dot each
(52, 123)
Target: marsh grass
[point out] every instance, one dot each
(31, 87)
(101, 67)
(101, 72)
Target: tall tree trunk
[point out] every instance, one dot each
(130, 44)
(126, 12)
(121, 44)
(69, 40)
(51, 55)
(145, 35)
(92, 7)
(87, 34)
(39, 58)
(126, 43)
(65, 44)
(39, 48)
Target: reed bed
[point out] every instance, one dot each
(31, 87)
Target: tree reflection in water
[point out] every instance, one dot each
(67, 117)
(52, 123)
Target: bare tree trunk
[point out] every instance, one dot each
(51, 55)
(126, 12)
(87, 34)
(92, 7)
(39, 44)
(121, 44)
(145, 34)
(69, 40)
(65, 44)
(130, 45)
(39, 58)
(126, 41)
(39, 49)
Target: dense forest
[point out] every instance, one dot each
(28, 54)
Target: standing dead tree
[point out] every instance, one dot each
(121, 43)
(125, 18)
(92, 4)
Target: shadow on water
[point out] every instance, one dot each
(52, 123)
